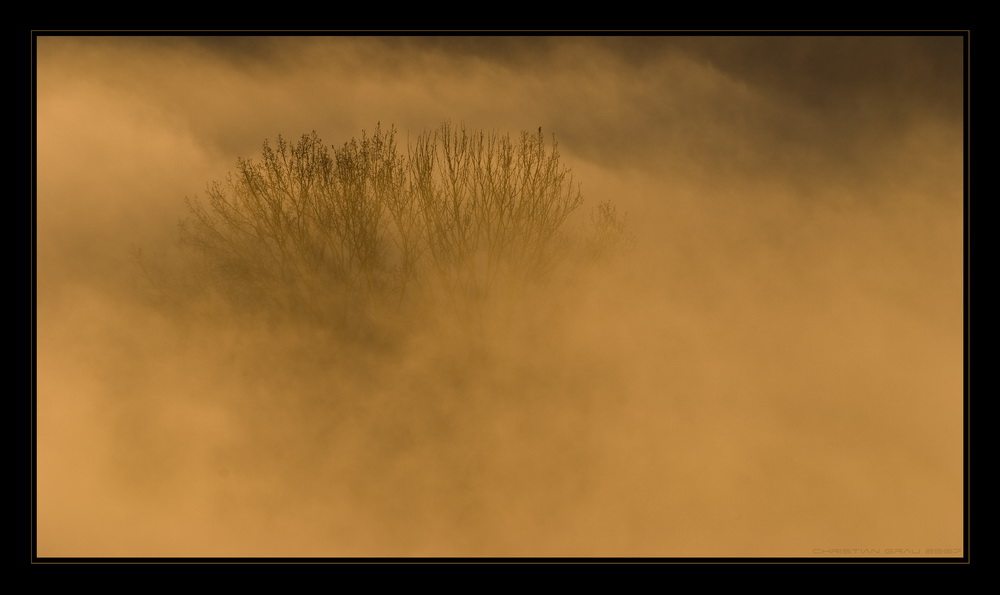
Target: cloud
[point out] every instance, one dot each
(775, 369)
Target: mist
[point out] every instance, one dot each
(774, 368)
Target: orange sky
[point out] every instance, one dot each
(775, 370)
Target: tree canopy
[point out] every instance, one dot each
(319, 230)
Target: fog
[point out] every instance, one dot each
(775, 368)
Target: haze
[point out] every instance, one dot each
(775, 368)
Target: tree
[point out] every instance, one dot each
(316, 231)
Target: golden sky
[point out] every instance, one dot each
(775, 369)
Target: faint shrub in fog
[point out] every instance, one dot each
(610, 234)
(329, 232)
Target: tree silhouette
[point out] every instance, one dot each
(322, 232)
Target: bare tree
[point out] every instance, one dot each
(314, 230)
